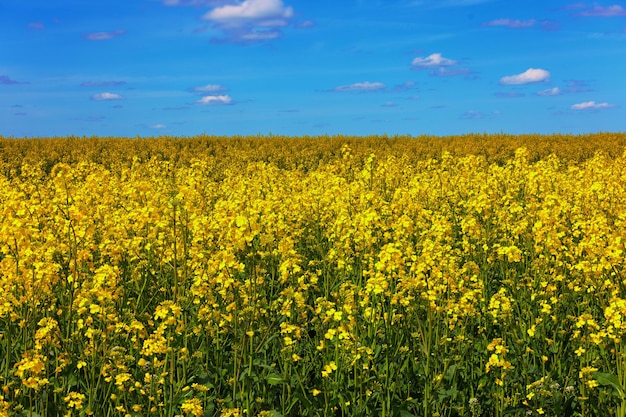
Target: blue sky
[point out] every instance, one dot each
(295, 67)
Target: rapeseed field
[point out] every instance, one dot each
(477, 275)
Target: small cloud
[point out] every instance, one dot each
(389, 104)
(102, 83)
(251, 20)
(555, 91)
(361, 87)
(215, 100)
(306, 24)
(531, 75)
(6, 80)
(106, 96)
(608, 11)
(20, 113)
(102, 36)
(510, 94)
(36, 26)
(158, 126)
(516, 24)
(432, 61)
(591, 105)
(472, 114)
(209, 88)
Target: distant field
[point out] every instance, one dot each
(476, 275)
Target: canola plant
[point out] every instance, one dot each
(477, 275)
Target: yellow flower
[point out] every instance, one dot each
(192, 406)
(74, 400)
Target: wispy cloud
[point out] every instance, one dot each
(106, 97)
(360, 87)
(409, 85)
(158, 126)
(389, 104)
(472, 114)
(555, 91)
(306, 24)
(102, 83)
(591, 105)
(432, 61)
(450, 72)
(601, 11)
(531, 75)
(572, 6)
(250, 20)
(103, 36)
(36, 26)
(208, 88)
(578, 86)
(6, 80)
(517, 24)
(213, 100)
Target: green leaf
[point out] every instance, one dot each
(606, 379)
(274, 379)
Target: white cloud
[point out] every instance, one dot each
(364, 86)
(555, 91)
(531, 75)
(609, 11)
(591, 105)
(215, 100)
(250, 10)
(158, 126)
(106, 96)
(250, 20)
(102, 36)
(432, 61)
(511, 23)
(209, 88)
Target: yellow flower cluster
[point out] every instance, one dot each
(236, 276)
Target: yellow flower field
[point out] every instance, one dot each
(478, 275)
